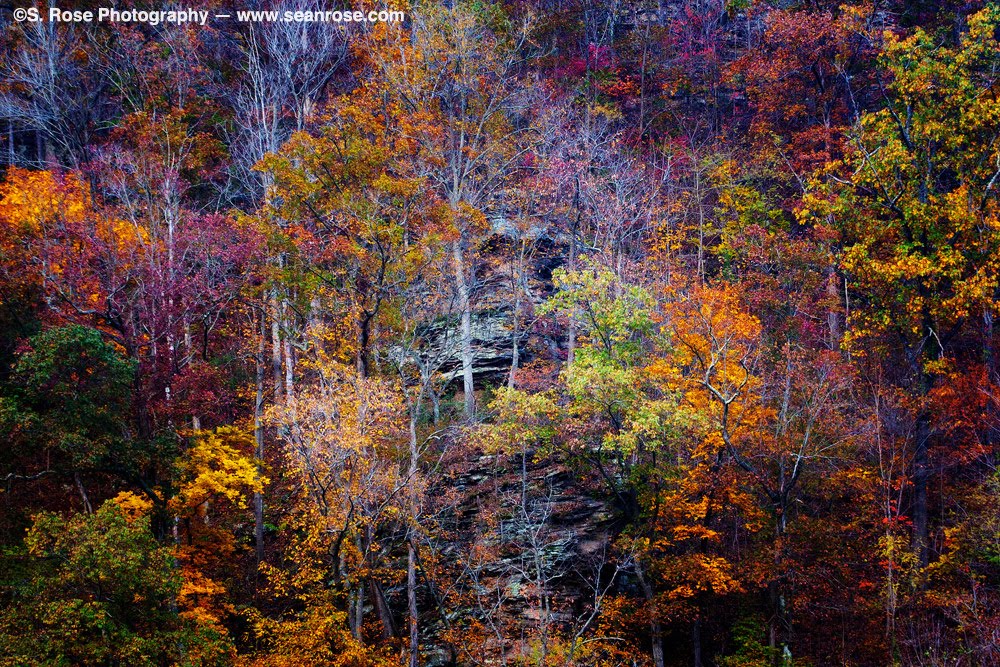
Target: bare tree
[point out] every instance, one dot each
(286, 68)
(47, 88)
(466, 76)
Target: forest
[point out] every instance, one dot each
(514, 333)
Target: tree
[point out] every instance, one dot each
(925, 168)
(213, 479)
(806, 83)
(47, 87)
(98, 589)
(343, 437)
(72, 408)
(455, 78)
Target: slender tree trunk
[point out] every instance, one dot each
(571, 335)
(461, 282)
(276, 344)
(289, 354)
(833, 315)
(921, 534)
(922, 434)
(780, 624)
(411, 553)
(378, 595)
(655, 628)
(258, 433)
(353, 617)
(519, 294)
(701, 225)
(87, 508)
(382, 609)
(515, 353)
(436, 406)
(356, 613)
(359, 610)
(364, 339)
(411, 602)
(696, 641)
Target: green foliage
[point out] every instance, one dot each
(614, 316)
(521, 421)
(608, 378)
(73, 393)
(98, 590)
(748, 634)
(707, 471)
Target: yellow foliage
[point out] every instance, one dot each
(216, 466)
(133, 505)
(31, 200)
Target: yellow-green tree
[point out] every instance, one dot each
(97, 589)
(915, 202)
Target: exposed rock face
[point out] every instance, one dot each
(512, 520)
(576, 511)
(492, 345)
(538, 521)
(492, 319)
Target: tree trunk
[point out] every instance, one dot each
(411, 553)
(571, 335)
(515, 352)
(701, 225)
(289, 355)
(519, 285)
(655, 628)
(921, 533)
(922, 434)
(276, 344)
(411, 601)
(84, 498)
(353, 612)
(382, 609)
(364, 339)
(356, 612)
(258, 433)
(833, 314)
(462, 285)
(696, 641)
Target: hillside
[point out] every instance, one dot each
(529, 332)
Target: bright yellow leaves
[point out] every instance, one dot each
(34, 204)
(343, 436)
(217, 467)
(316, 638)
(523, 421)
(31, 200)
(916, 197)
(341, 421)
(712, 365)
(215, 475)
(133, 505)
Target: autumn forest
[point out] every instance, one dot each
(516, 333)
